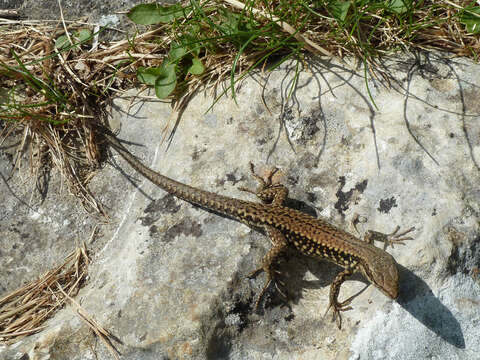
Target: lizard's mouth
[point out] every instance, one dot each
(389, 287)
(391, 293)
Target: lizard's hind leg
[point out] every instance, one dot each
(269, 193)
(269, 260)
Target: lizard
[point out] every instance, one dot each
(290, 228)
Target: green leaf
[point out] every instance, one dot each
(148, 75)
(148, 14)
(145, 14)
(339, 10)
(471, 19)
(234, 26)
(166, 81)
(176, 52)
(194, 30)
(169, 13)
(80, 36)
(62, 42)
(190, 42)
(230, 22)
(398, 6)
(197, 67)
(83, 35)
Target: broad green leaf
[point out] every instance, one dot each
(197, 67)
(166, 81)
(83, 35)
(145, 14)
(398, 6)
(190, 42)
(169, 13)
(77, 37)
(62, 42)
(230, 22)
(148, 75)
(235, 26)
(471, 19)
(194, 29)
(176, 52)
(339, 10)
(148, 14)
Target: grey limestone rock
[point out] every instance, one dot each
(168, 278)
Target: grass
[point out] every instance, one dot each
(237, 37)
(23, 311)
(59, 79)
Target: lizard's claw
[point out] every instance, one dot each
(266, 190)
(267, 283)
(265, 182)
(398, 238)
(337, 308)
(271, 277)
(389, 239)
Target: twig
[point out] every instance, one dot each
(63, 22)
(9, 13)
(101, 332)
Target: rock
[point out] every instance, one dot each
(168, 278)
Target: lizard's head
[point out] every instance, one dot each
(383, 274)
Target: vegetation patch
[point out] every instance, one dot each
(58, 80)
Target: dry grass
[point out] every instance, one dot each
(56, 120)
(103, 334)
(433, 25)
(57, 97)
(23, 311)
(52, 103)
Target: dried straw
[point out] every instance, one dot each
(23, 311)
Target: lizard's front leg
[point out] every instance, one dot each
(275, 195)
(389, 239)
(334, 291)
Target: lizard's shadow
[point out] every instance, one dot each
(418, 299)
(415, 297)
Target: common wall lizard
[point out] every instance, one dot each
(290, 228)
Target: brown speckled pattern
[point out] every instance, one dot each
(289, 227)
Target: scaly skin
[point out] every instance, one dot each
(288, 227)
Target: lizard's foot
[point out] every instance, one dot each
(267, 191)
(334, 291)
(264, 183)
(271, 276)
(269, 261)
(337, 309)
(389, 239)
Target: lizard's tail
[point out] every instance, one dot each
(193, 195)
